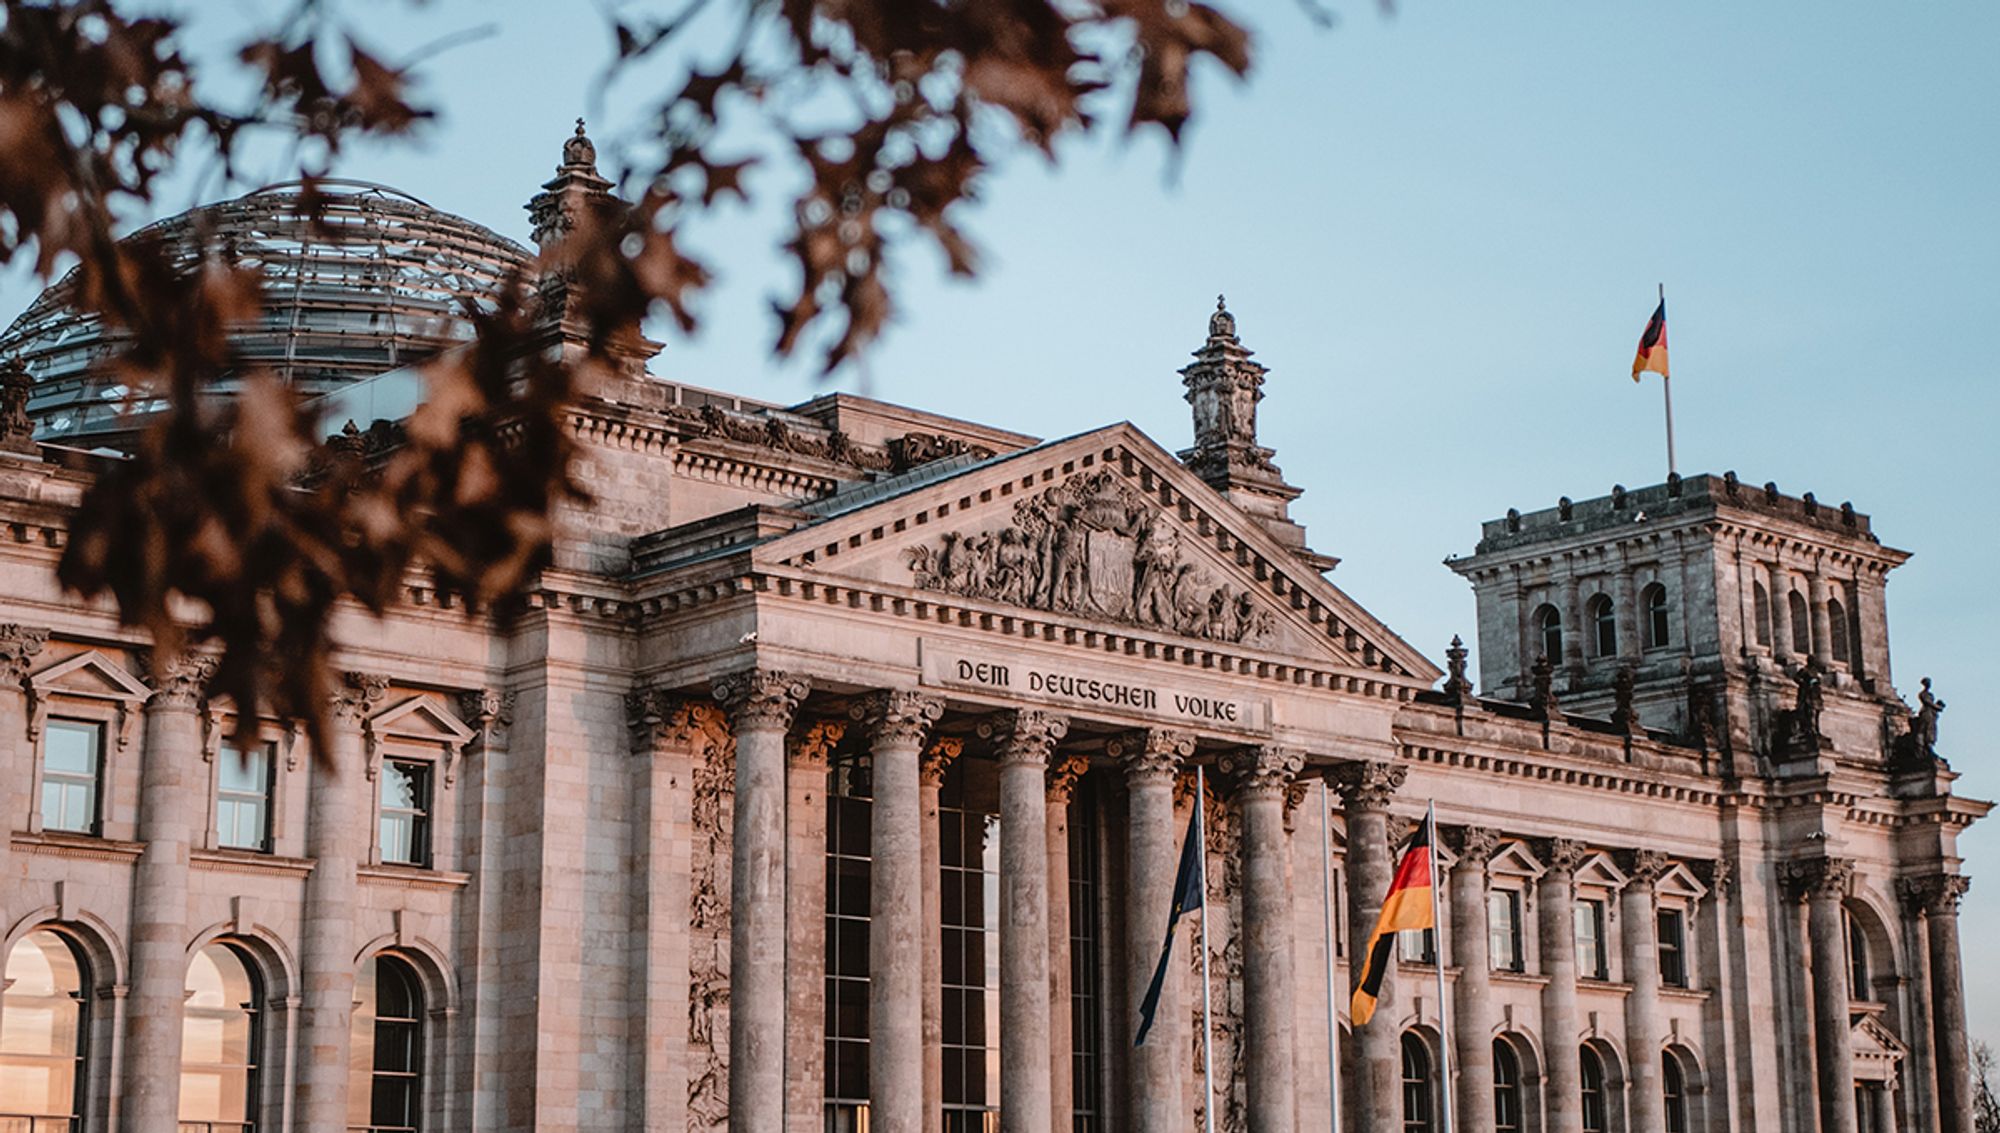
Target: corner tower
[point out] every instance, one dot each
(1735, 617)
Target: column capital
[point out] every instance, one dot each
(1644, 867)
(1561, 855)
(489, 712)
(357, 695)
(1719, 875)
(660, 718)
(179, 680)
(1820, 878)
(1024, 735)
(897, 716)
(938, 758)
(810, 746)
(761, 697)
(1367, 784)
(1151, 755)
(1063, 775)
(1264, 769)
(19, 646)
(1936, 895)
(1474, 846)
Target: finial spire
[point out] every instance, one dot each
(1221, 324)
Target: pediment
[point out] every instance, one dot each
(1514, 860)
(90, 674)
(422, 721)
(1599, 871)
(1680, 881)
(1873, 1040)
(1104, 528)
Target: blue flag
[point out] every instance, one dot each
(1187, 898)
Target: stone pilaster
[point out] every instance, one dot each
(1064, 771)
(1472, 1005)
(1024, 740)
(1365, 789)
(1263, 775)
(1643, 1030)
(805, 923)
(1149, 760)
(897, 722)
(490, 714)
(1823, 883)
(337, 837)
(1822, 647)
(1555, 915)
(761, 704)
(1938, 896)
(19, 646)
(938, 758)
(171, 794)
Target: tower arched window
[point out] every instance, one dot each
(1836, 625)
(1548, 620)
(1506, 1088)
(45, 1044)
(1591, 1074)
(386, 1061)
(1418, 1113)
(1673, 1088)
(1857, 961)
(1604, 625)
(1761, 603)
(1801, 623)
(1653, 600)
(221, 1044)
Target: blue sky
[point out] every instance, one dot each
(1442, 230)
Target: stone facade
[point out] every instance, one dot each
(843, 758)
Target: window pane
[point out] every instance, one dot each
(42, 1032)
(71, 746)
(71, 757)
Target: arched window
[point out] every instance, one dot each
(1653, 600)
(1801, 623)
(1857, 962)
(1761, 601)
(1836, 623)
(220, 1041)
(385, 1065)
(44, 1043)
(1604, 625)
(1550, 623)
(1673, 1085)
(1591, 1073)
(1506, 1088)
(1417, 1112)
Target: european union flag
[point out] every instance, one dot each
(1187, 898)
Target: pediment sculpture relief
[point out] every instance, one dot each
(1092, 546)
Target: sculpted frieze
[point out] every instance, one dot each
(1093, 547)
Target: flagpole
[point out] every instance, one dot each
(1667, 389)
(1332, 1013)
(1207, 1006)
(1437, 961)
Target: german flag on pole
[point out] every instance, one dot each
(1407, 907)
(1653, 345)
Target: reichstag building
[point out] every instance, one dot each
(835, 780)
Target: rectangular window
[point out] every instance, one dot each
(406, 812)
(1417, 946)
(1086, 1038)
(243, 798)
(72, 771)
(1673, 953)
(1503, 931)
(849, 870)
(1590, 958)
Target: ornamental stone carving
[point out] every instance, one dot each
(1562, 855)
(1151, 755)
(179, 681)
(761, 698)
(1937, 895)
(1644, 867)
(489, 712)
(1094, 547)
(812, 746)
(355, 700)
(1719, 875)
(17, 429)
(1475, 846)
(897, 717)
(19, 646)
(1263, 769)
(1064, 773)
(1817, 877)
(1025, 735)
(938, 758)
(1367, 784)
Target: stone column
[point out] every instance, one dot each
(1063, 774)
(1365, 789)
(1823, 882)
(1573, 627)
(1149, 760)
(1638, 928)
(805, 924)
(1472, 1004)
(172, 782)
(337, 836)
(1822, 647)
(19, 646)
(1269, 1012)
(1631, 635)
(1023, 740)
(1555, 916)
(760, 703)
(897, 720)
(1781, 611)
(1939, 896)
(938, 759)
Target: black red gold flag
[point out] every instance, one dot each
(1187, 898)
(1406, 908)
(1653, 345)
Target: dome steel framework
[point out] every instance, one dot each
(371, 280)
